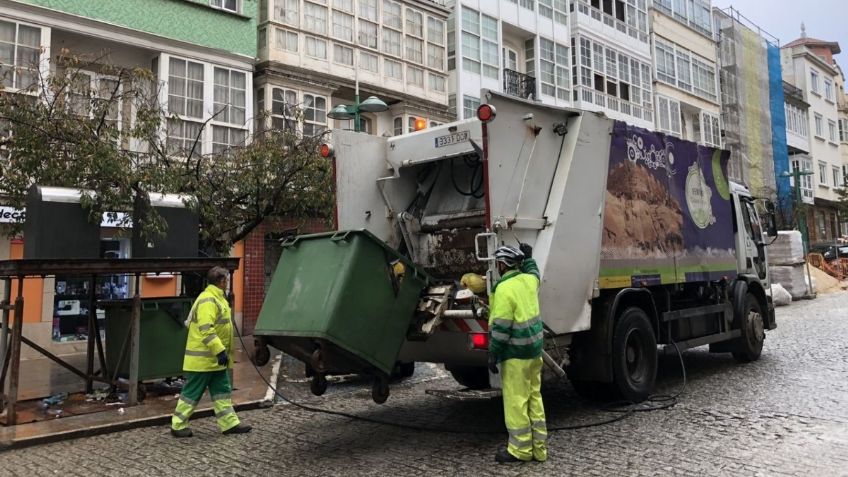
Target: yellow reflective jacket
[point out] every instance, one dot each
(210, 331)
(515, 327)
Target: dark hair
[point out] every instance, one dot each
(216, 274)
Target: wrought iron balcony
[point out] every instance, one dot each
(519, 84)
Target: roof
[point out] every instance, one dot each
(813, 42)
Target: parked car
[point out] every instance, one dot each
(830, 251)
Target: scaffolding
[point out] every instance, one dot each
(745, 96)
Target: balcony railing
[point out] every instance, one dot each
(519, 84)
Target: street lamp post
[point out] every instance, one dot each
(346, 112)
(802, 219)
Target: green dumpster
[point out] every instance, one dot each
(162, 337)
(342, 303)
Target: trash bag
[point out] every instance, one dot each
(780, 296)
(474, 282)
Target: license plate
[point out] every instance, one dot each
(452, 139)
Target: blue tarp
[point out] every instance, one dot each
(778, 132)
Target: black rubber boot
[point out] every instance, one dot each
(181, 433)
(504, 457)
(239, 429)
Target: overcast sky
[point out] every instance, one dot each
(825, 19)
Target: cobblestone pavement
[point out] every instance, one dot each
(786, 414)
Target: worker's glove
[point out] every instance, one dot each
(223, 359)
(493, 364)
(526, 249)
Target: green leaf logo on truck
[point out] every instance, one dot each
(698, 197)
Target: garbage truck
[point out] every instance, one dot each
(643, 245)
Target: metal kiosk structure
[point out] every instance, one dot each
(19, 270)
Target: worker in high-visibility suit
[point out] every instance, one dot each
(208, 356)
(516, 343)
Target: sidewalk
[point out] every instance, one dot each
(42, 377)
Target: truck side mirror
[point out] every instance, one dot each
(771, 219)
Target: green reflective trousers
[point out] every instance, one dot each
(524, 412)
(218, 383)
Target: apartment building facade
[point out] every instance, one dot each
(202, 54)
(808, 64)
(313, 53)
(688, 104)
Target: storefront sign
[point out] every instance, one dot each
(11, 215)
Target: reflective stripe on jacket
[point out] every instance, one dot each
(210, 331)
(516, 329)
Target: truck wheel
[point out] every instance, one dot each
(472, 377)
(403, 370)
(749, 346)
(634, 355)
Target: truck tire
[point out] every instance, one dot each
(749, 346)
(634, 355)
(471, 377)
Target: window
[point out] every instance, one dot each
(668, 112)
(391, 42)
(283, 108)
(343, 26)
(710, 130)
(415, 76)
(414, 50)
(185, 88)
(831, 130)
(315, 18)
(286, 40)
(828, 90)
(79, 93)
(804, 165)
(452, 104)
(392, 14)
(368, 10)
(435, 43)
(20, 51)
(695, 13)
(436, 83)
(822, 173)
(287, 11)
(528, 4)
(345, 5)
(814, 81)
(451, 42)
(230, 96)
(843, 130)
(184, 137)
(435, 31)
(679, 67)
(393, 69)
(546, 8)
(553, 64)
(435, 56)
(316, 48)
(613, 80)
(343, 55)
(229, 5)
(224, 138)
(368, 34)
(397, 126)
(469, 107)
(369, 62)
(797, 120)
(414, 23)
(837, 176)
(410, 123)
(819, 125)
(480, 43)
(314, 114)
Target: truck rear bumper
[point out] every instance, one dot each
(446, 347)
